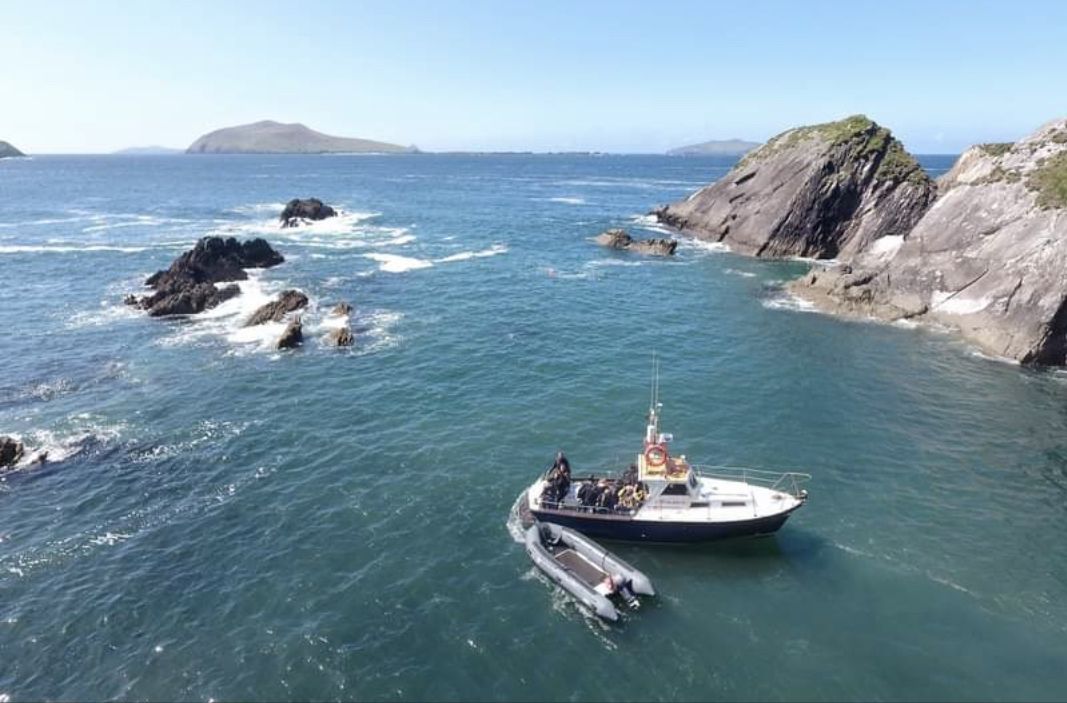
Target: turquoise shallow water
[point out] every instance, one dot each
(229, 522)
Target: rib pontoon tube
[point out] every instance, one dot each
(581, 577)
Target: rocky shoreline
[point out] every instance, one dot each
(981, 251)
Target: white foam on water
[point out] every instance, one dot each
(568, 200)
(742, 274)
(650, 223)
(993, 357)
(49, 221)
(700, 245)
(332, 322)
(107, 313)
(785, 300)
(345, 222)
(61, 444)
(227, 319)
(399, 241)
(466, 255)
(258, 208)
(394, 263)
(264, 336)
(109, 539)
(379, 329)
(137, 221)
(640, 183)
(66, 248)
(626, 263)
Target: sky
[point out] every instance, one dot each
(92, 77)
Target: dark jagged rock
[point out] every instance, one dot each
(293, 336)
(276, 310)
(824, 191)
(214, 260)
(342, 308)
(340, 337)
(297, 210)
(189, 300)
(187, 287)
(11, 451)
(988, 259)
(622, 241)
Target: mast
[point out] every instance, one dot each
(652, 430)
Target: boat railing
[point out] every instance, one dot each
(790, 482)
(587, 509)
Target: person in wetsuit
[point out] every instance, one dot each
(560, 475)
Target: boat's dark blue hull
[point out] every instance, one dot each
(633, 530)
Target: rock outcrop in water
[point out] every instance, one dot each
(187, 287)
(293, 336)
(11, 451)
(341, 336)
(297, 210)
(989, 258)
(6, 150)
(275, 311)
(823, 191)
(621, 240)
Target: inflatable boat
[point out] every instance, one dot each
(586, 570)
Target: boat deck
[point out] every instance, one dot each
(582, 567)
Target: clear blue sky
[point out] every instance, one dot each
(544, 75)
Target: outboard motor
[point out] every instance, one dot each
(628, 595)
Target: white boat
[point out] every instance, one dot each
(680, 501)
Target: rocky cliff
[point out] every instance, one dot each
(268, 137)
(7, 150)
(989, 258)
(823, 191)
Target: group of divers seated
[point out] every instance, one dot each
(612, 495)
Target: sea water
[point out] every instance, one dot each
(221, 520)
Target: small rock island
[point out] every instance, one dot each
(621, 240)
(188, 286)
(298, 211)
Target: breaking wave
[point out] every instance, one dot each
(394, 263)
(465, 255)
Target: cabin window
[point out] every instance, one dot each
(676, 489)
(734, 504)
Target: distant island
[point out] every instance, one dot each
(153, 150)
(269, 137)
(8, 150)
(722, 147)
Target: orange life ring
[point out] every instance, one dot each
(656, 455)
